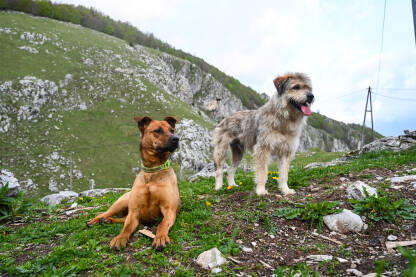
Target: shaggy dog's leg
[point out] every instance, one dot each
(237, 150)
(262, 156)
(284, 163)
(219, 156)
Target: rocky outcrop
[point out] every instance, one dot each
(194, 145)
(7, 178)
(392, 143)
(317, 138)
(188, 82)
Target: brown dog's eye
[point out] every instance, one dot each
(172, 131)
(158, 131)
(296, 87)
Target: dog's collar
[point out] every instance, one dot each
(161, 167)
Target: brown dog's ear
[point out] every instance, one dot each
(142, 122)
(171, 120)
(280, 83)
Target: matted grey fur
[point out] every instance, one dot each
(273, 129)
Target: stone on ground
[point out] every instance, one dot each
(210, 259)
(6, 177)
(56, 198)
(356, 190)
(344, 222)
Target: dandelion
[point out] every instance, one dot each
(275, 178)
(207, 203)
(81, 198)
(240, 183)
(104, 197)
(373, 211)
(270, 172)
(229, 187)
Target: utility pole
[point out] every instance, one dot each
(414, 16)
(365, 114)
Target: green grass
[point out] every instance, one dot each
(49, 244)
(103, 140)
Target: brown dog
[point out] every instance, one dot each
(155, 191)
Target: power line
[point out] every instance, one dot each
(381, 47)
(342, 96)
(396, 98)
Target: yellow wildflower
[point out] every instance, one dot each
(373, 211)
(229, 187)
(276, 178)
(81, 198)
(104, 197)
(207, 203)
(240, 183)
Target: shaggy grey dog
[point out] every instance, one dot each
(273, 129)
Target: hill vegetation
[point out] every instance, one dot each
(93, 19)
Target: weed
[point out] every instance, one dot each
(296, 270)
(410, 256)
(11, 206)
(312, 212)
(383, 207)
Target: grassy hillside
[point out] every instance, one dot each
(91, 113)
(95, 20)
(55, 241)
(348, 133)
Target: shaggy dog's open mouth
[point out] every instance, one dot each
(305, 108)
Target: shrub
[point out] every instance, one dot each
(312, 212)
(383, 206)
(11, 206)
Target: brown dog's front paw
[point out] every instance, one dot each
(118, 243)
(94, 221)
(160, 241)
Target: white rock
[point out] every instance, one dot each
(344, 222)
(6, 177)
(55, 199)
(392, 237)
(254, 243)
(356, 190)
(402, 179)
(354, 272)
(216, 270)
(100, 192)
(74, 205)
(210, 259)
(319, 258)
(247, 249)
(342, 260)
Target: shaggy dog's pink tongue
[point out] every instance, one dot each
(306, 110)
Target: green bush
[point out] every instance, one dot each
(410, 256)
(312, 212)
(383, 207)
(11, 206)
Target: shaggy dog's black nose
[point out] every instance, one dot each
(310, 97)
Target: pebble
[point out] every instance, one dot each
(392, 237)
(272, 236)
(239, 241)
(247, 249)
(342, 260)
(74, 205)
(319, 258)
(355, 272)
(216, 270)
(254, 243)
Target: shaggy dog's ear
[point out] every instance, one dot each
(171, 120)
(281, 83)
(142, 122)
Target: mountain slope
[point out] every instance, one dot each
(70, 91)
(68, 96)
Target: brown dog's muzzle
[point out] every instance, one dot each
(170, 146)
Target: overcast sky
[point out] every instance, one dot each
(337, 43)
